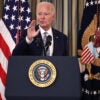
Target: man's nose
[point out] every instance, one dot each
(43, 16)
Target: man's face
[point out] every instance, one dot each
(45, 16)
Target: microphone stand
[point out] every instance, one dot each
(44, 51)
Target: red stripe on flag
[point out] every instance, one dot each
(0, 97)
(4, 47)
(91, 60)
(86, 56)
(6, 52)
(2, 75)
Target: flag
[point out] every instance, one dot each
(16, 18)
(86, 56)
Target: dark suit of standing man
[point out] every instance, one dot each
(32, 41)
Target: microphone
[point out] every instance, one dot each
(48, 42)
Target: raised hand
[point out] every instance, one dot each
(31, 32)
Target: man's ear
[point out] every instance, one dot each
(54, 17)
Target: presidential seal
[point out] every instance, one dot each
(42, 73)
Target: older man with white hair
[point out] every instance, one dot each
(32, 42)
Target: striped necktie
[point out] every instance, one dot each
(44, 41)
(44, 38)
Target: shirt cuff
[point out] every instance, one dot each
(28, 41)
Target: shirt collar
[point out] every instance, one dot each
(42, 31)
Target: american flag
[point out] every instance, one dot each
(16, 18)
(87, 57)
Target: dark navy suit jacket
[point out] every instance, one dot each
(36, 47)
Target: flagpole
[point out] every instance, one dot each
(18, 35)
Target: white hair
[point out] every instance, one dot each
(47, 3)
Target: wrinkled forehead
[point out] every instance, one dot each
(45, 5)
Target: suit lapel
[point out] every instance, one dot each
(55, 39)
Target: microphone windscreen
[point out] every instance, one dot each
(49, 38)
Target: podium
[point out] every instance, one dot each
(65, 87)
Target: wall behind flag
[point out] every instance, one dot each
(1, 5)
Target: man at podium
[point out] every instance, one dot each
(39, 76)
(42, 39)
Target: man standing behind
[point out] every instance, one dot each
(32, 42)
